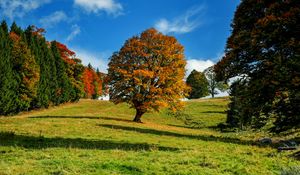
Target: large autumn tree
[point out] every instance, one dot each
(147, 73)
(264, 51)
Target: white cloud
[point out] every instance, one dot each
(97, 60)
(182, 24)
(111, 7)
(198, 65)
(18, 8)
(53, 19)
(75, 31)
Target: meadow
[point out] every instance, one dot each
(98, 137)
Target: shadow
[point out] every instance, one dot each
(188, 126)
(182, 126)
(214, 105)
(83, 117)
(214, 112)
(173, 134)
(35, 142)
(296, 155)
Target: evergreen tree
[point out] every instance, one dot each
(8, 83)
(64, 90)
(27, 70)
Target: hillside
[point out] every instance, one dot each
(97, 137)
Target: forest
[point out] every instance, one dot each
(36, 73)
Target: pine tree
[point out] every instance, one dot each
(8, 83)
(26, 69)
(64, 91)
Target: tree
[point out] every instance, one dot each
(35, 73)
(8, 82)
(213, 84)
(147, 73)
(64, 86)
(87, 80)
(27, 71)
(74, 70)
(263, 50)
(198, 83)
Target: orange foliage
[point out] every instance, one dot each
(66, 54)
(38, 31)
(148, 73)
(14, 36)
(90, 80)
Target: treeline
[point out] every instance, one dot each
(35, 73)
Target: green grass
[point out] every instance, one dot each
(98, 137)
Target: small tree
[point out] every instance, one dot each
(147, 73)
(198, 83)
(213, 84)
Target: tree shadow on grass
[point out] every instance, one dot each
(214, 105)
(36, 142)
(214, 112)
(82, 117)
(173, 134)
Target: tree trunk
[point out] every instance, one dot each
(138, 116)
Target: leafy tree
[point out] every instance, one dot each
(92, 83)
(263, 50)
(147, 73)
(213, 84)
(88, 78)
(198, 83)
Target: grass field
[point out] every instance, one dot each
(98, 137)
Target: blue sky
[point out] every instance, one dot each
(94, 29)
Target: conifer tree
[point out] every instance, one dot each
(26, 69)
(64, 88)
(8, 83)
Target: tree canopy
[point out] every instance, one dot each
(198, 83)
(264, 52)
(148, 72)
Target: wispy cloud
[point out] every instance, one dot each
(53, 19)
(181, 24)
(18, 8)
(97, 60)
(111, 7)
(75, 31)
